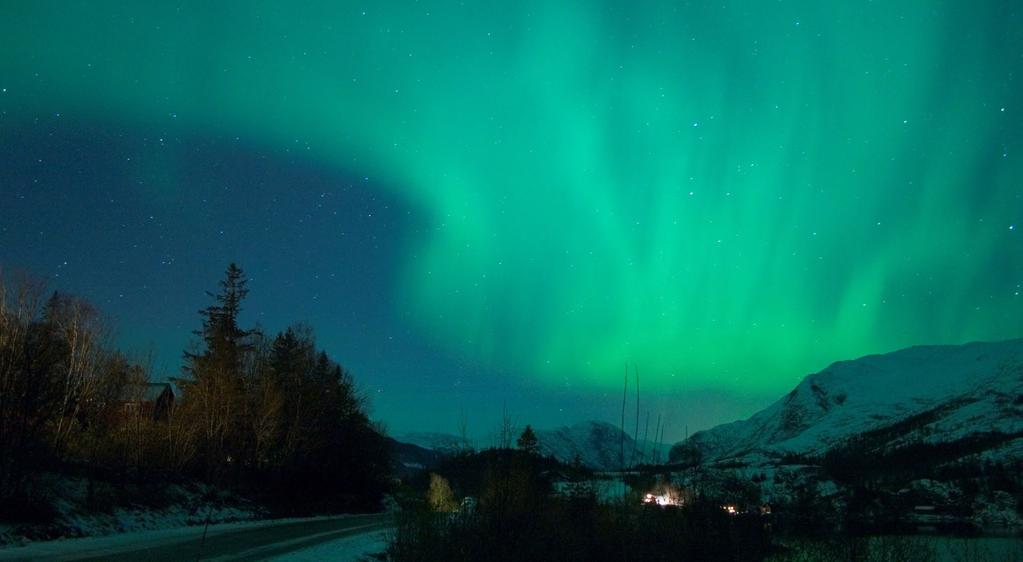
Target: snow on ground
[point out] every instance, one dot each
(353, 548)
(104, 508)
(127, 519)
(607, 490)
(111, 544)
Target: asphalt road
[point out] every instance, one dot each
(252, 543)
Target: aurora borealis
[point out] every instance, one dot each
(483, 202)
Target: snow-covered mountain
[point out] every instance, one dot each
(445, 443)
(598, 445)
(930, 394)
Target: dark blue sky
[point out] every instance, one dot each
(143, 222)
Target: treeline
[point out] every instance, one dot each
(272, 417)
(512, 512)
(857, 460)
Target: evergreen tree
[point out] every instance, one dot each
(225, 341)
(528, 441)
(217, 387)
(291, 362)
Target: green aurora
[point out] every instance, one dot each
(730, 194)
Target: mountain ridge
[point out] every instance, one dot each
(596, 444)
(968, 388)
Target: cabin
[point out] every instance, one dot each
(153, 400)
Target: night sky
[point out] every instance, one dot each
(477, 204)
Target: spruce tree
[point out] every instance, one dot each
(528, 441)
(217, 388)
(224, 339)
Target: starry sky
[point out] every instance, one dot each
(483, 205)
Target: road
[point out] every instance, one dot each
(258, 541)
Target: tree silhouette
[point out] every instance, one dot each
(217, 387)
(528, 441)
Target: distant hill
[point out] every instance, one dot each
(597, 444)
(409, 458)
(445, 443)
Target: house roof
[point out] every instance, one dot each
(155, 389)
(147, 392)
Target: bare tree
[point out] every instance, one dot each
(182, 435)
(463, 431)
(506, 433)
(660, 439)
(266, 418)
(635, 437)
(657, 447)
(646, 433)
(136, 418)
(621, 436)
(82, 331)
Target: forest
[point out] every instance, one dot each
(270, 417)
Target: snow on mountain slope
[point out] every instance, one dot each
(597, 444)
(440, 442)
(940, 393)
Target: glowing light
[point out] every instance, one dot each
(665, 495)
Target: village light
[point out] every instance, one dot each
(664, 499)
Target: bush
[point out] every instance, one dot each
(518, 518)
(440, 497)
